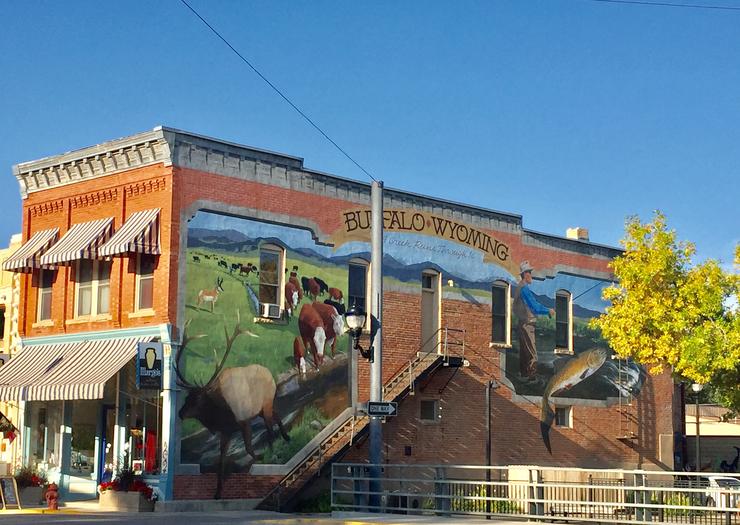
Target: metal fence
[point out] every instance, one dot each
(541, 493)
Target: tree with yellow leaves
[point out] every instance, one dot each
(667, 312)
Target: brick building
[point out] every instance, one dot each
(257, 256)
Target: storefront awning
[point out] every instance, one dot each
(139, 234)
(65, 370)
(80, 242)
(28, 256)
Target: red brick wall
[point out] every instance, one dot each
(459, 437)
(238, 485)
(116, 196)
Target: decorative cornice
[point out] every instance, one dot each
(147, 186)
(94, 198)
(111, 157)
(189, 150)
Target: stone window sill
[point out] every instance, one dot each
(147, 312)
(88, 319)
(43, 324)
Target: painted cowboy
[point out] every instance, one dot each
(526, 309)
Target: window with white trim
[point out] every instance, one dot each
(145, 281)
(93, 288)
(46, 280)
(272, 262)
(564, 417)
(563, 322)
(501, 313)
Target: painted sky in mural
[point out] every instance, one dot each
(411, 249)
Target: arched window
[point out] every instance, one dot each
(501, 313)
(272, 279)
(563, 322)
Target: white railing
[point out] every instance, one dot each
(542, 493)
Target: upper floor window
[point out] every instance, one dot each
(359, 282)
(145, 281)
(46, 280)
(93, 288)
(272, 261)
(429, 410)
(501, 313)
(564, 417)
(563, 322)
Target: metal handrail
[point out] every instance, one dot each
(522, 492)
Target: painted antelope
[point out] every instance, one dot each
(230, 400)
(211, 295)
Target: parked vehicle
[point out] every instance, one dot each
(723, 492)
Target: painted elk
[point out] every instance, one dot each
(210, 295)
(230, 400)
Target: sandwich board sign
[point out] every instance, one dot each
(149, 366)
(9, 493)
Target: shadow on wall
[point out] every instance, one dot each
(459, 436)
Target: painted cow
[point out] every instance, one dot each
(333, 323)
(291, 298)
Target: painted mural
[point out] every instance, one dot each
(266, 340)
(264, 367)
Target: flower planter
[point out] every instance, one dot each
(31, 496)
(125, 501)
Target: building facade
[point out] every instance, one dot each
(240, 262)
(9, 301)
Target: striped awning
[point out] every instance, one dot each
(65, 370)
(28, 256)
(139, 234)
(80, 242)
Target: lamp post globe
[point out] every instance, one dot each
(355, 318)
(697, 387)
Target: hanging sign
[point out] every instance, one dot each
(9, 493)
(149, 366)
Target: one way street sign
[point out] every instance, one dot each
(384, 408)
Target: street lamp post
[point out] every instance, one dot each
(356, 318)
(697, 387)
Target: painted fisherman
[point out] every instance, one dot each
(526, 309)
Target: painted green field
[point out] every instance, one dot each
(273, 346)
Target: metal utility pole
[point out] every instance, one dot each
(697, 388)
(376, 367)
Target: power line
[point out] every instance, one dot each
(277, 90)
(671, 4)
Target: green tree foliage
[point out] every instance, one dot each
(667, 312)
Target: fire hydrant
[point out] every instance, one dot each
(52, 496)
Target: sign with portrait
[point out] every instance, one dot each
(149, 366)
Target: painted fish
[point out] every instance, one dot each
(572, 373)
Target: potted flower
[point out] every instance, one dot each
(127, 492)
(31, 485)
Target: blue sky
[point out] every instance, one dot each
(568, 112)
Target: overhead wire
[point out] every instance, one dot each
(277, 90)
(670, 4)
